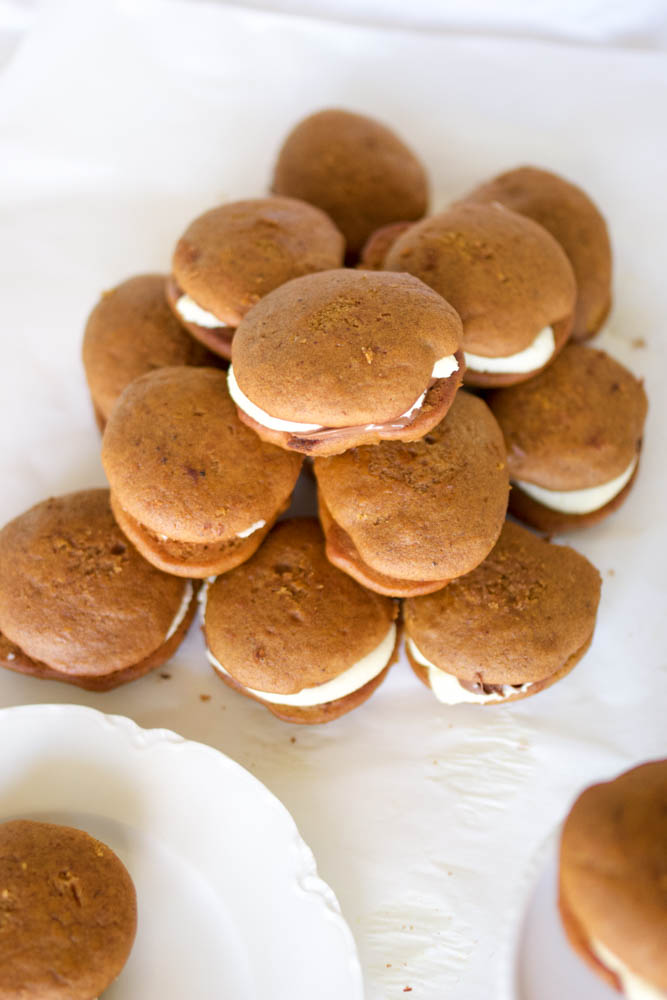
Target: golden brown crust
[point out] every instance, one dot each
(436, 403)
(553, 522)
(182, 464)
(231, 256)
(574, 221)
(287, 619)
(535, 686)
(613, 869)
(132, 331)
(378, 243)
(429, 510)
(343, 348)
(75, 595)
(576, 425)
(354, 168)
(69, 913)
(517, 618)
(342, 552)
(13, 658)
(506, 276)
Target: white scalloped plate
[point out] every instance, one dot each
(541, 964)
(230, 903)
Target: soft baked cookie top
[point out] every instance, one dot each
(74, 592)
(343, 347)
(516, 619)
(574, 220)
(356, 169)
(577, 424)
(287, 619)
(180, 461)
(231, 256)
(505, 275)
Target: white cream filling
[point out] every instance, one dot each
(188, 310)
(352, 679)
(580, 501)
(447, 689)
(182, 611)
(251, 530)
(534, 356)
(634, 987)
(441, 369)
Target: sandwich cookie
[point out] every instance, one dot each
(512, 627)
(343, 358)
(613, 880)
(77, 601)
(193, 488)
(575, 221)
(355, 169)
(508, 279)
(132, 331)
(291, 631)
(573, 437)
(231, 256)
(405, 518)
(378, 243)
(68, 913)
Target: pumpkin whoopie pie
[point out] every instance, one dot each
(575, 221)
(290, 630)
(346, 357)
(132, 331)
(508, 279)
(573, 436)
(355, 169)
(512, 627)
(77, 601)
(193, 488)
(613, 880)
(231, 256)
(69, 913)
(404, 518)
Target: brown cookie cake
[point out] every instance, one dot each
(613, 880)
(132, 331)
(68, 913)
(193, 488)
(290, 630)
(508, 279)
(573, 437)
(378, 244)
(575, 221)
(405, 518)
(355, 169)
(346, 357)
(231, 256)
(77, 601)
(512, 627)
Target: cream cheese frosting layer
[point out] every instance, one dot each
(580, 501)
(441, 369)
(447, 689)
(182, 611)
(251, 530)
(532, 357)
(191, 312)
(634, 987)
(352, 679)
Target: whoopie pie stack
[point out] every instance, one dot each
(261, 349)
(427, 370)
